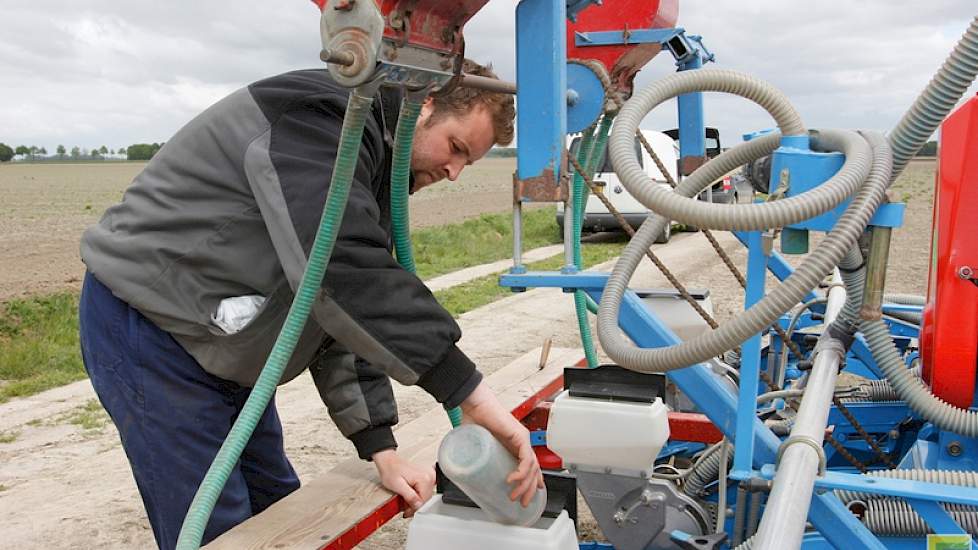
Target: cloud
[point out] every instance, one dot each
(106, 72)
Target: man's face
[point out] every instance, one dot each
(443, 146)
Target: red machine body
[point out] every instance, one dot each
(622, 61)
(949, 332)
(433, 24)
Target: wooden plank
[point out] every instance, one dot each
(325, 508)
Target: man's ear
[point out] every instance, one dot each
(427, 108)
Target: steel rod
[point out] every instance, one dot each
(783, 523)
(488, 84)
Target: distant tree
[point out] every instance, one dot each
(104, 150)
(61, 151)
(928, 150)
(75, 152)
(142, 151)
(34, 151)
(95, 153)
(44, 151)
(22, 150)
(6, 152)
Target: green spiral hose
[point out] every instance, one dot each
(589, 155)
(195, 522)
(400, 183)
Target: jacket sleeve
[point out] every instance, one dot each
(377, 310)
(359, 398)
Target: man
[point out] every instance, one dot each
(227, 212)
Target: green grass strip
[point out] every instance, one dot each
(484, 290)
(439, 250)
(39, 344)
(39, 347)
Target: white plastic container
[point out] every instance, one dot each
(600, 433)
(440, 526)
(472, 458)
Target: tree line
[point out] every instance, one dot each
(136, 151)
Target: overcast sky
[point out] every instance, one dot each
(105, 72)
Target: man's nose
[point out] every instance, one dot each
(454, 169)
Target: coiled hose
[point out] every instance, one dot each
(400, 186)
(937, 99)
(705, 472)
(782, 298)
(195, 522)
(913, 130)
(896, 518)
(589, 144)
(719, 216)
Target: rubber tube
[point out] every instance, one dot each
(711, 344)
(192, 531)
(407, 121)
(578, 200)
(400, 182)
(913, 130)
(681, 206)
(936, 101)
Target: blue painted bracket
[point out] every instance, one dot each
(935, 492)
(541, 71)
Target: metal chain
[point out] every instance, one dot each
(627, 227)
(883, 456)
(845, 453)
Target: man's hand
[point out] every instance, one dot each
(412, 482)
(481, 407)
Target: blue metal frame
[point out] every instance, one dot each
(543, 98)
(541, 42)
(699, 384)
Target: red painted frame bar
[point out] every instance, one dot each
(393, 506)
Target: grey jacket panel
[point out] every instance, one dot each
(347, 384)
(230, 207)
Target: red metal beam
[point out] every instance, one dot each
(693, 427)
(393, 506)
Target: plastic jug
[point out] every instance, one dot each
(479, 464)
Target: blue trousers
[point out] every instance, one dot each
(172, 417)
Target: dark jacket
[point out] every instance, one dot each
(230, 206)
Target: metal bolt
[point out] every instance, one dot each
(954, 448)
(395, 20)
(344, 5)
(607, 470)
(966, 272)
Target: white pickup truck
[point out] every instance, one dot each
(596, 215)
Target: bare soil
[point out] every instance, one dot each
(46, 207)
(65, 485)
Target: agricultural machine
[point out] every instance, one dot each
(828, 414)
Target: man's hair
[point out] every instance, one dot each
(462, 101)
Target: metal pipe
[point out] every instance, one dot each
(344, 58)
(879, 252)
(783, 523)
(754, 515)
(488, 84)
(740, 509)
(569, 214)
(337, 57)
(518, 232)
